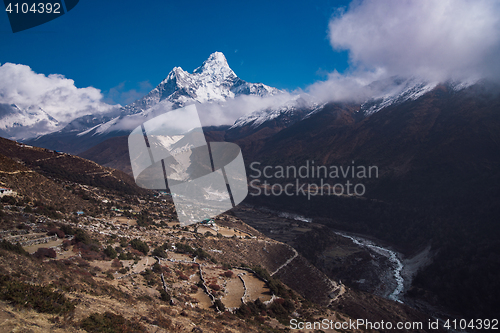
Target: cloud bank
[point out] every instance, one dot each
(55, 94)
(435, 40)
(431, 41)
(213, 114)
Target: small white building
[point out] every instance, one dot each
(7, 191)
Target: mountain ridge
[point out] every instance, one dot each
(213, 82)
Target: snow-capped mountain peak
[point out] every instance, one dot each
(213, 82)
(216, 65)
(176, 72)
(395, 90)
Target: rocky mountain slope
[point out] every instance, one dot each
(436, 151)
(435, 147)
(126, 263)
(31, 172)
(437, 184)
(257, 127)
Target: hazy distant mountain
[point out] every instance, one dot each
(18, 123)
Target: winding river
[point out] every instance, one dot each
(390, 255)
(400, 274)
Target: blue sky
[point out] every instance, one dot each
(131, 46)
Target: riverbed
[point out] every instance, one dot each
(396, 263)
(381, 270)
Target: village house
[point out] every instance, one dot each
(7, 191)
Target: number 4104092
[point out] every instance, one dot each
(36, 8)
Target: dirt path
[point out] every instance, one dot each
(16, 172)
(295, 254)
(143, 264)
(49, 158)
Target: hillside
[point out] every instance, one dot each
(125, 261)
(437, 160)
(159, 277)
(67, 167)
(438, 184)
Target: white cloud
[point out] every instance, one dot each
(227, 112)
(434, 40)
(346, 87)
(55, 94)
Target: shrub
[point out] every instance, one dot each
(48, 211)
(159, 252)
(183, 248)
(13, 247)
(67, 229)
(214, 287)
(110, 252)
(136, 254)
(45, 252)
(66, 244)
(9, 200)
(157, 268)
(143, 220)
(261, 272)
(110, 323)
(162, 321)
(126, 256)
(116, 263)
(123, 242)
(277, 309)
(201, 254)
(278, 288)
(139, 246)
(56, 231)
(219, 305)
(38, 298)
(81, 236)
(148, 274)
(164, 296)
